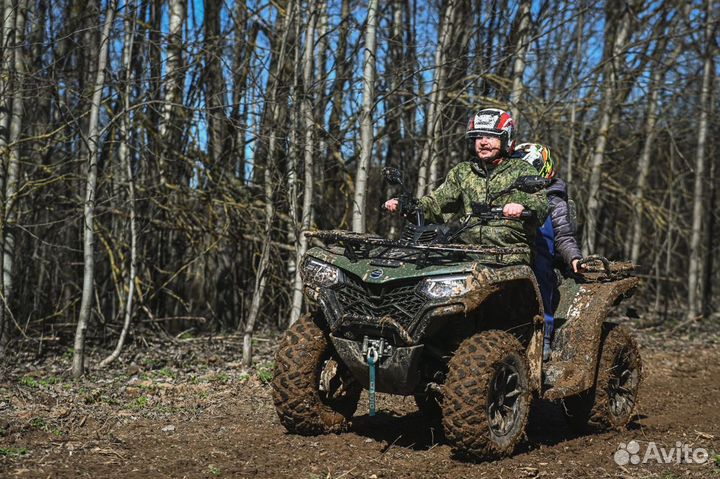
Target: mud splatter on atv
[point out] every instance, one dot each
(460, 330)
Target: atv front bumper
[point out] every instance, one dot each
(397, 370)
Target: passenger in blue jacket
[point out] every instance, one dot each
(556, 235)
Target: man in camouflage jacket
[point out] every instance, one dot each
(470, 182)
(490, 138)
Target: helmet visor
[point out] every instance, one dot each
(481, 133)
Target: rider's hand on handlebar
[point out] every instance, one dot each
(513, 210)
(392, 205)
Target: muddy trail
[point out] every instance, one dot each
(189, 409)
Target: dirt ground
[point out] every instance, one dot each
(189, 409)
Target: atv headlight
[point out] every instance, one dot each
(321, 274)
(441, 287)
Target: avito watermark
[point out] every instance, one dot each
(680, 454)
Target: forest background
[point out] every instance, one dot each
(161, 159)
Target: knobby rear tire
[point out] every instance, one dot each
(610, 404)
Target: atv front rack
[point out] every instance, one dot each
(352, 240)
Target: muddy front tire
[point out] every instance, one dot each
(487, 396)
(611, 403)
(312, 392)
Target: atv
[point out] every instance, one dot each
(457, 328)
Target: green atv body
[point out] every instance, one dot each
(458, 329)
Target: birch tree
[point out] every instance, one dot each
(616, 34)
(366, 121)
(520, 52)
(11, 115)
(659, 68)
(427, 176)
(268, 188)
(124, 154)
(569, 168)
(93, 140)
(694, 293)
(170, 122)
(306, 115)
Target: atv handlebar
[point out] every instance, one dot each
(485, 212)
(481, 211)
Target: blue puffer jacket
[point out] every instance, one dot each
(565, 243)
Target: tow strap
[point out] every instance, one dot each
(372, 357)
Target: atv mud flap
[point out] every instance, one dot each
(397, 370)
(580, 328)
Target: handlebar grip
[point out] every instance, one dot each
(525, 214)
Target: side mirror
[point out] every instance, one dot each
(531, 184)
(392, 175)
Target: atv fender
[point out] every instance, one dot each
(506, 299)
(579, 331)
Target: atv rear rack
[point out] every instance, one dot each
(597, 268)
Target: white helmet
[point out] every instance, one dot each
(492, 122)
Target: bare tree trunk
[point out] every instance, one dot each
(124, 157)
(6, 69)
(573, 108)
(657, 76)
(7, 66)
(448, 60)
(306, 115)
(366, 125)
(173, 87)
(710, 241)
(261, 275)
(613, 65)
(242, 62)
(694, 283)
(294, 162)
(216, 89)
(274, 112)
(395, 71)
(334, 164)
(427, 175)
(13, 164)
(321, 99)
(668, 236)
(520, 51)
(93, 139)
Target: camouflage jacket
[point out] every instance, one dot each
(469, 183)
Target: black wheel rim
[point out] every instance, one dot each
(623, 384)
(504, 399)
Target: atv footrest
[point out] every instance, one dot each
(563, 379)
